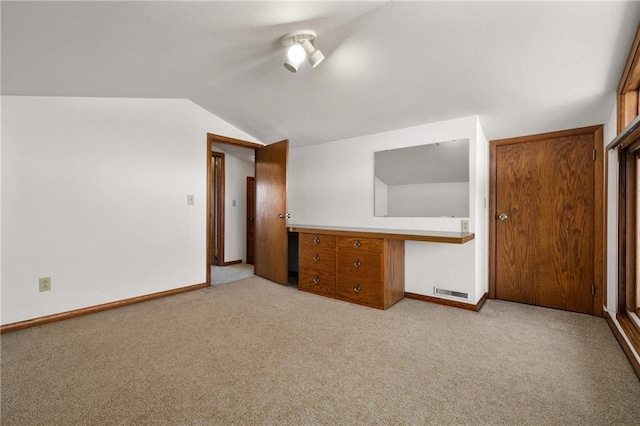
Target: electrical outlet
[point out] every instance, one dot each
(44, 284)
(233, 203)
(190, 200)
(464, 226)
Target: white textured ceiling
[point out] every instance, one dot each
(522, 67)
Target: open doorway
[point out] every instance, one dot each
(229, 169)
(269, 165)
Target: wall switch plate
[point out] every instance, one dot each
(190, 200)
(44, 284)
(233, 203)
(464, 226)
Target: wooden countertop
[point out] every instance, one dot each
(393, 234)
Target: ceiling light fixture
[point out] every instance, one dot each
(300, 44)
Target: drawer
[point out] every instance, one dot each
(359, 264)
(364, 292)
(320, 283)
(318, 259)
(317, 240)
(360, 244)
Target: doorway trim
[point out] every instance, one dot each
(599, 207)
(211, 139)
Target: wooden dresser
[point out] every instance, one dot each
(364, 266)
(367, 271)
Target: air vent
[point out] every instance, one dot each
(451, 293)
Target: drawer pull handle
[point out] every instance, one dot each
(316, 258)
(357, 288)
(316, 280)
(316, 240)
(356, 244)
(357, 263)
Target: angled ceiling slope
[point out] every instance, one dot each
(523, 67)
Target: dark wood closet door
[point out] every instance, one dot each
(544, 224)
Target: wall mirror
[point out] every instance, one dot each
(423, 181)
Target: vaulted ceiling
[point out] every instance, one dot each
(523, 67)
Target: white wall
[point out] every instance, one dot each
(331, 185)
(446, 199)
(480, 178)
(381, 197)
(235, 217)
(94, 195)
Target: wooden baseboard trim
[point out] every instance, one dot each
(448, 302)
(93, 309)
(233, 262)
(623, 343)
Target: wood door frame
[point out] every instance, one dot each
(599, 206)
(219, 189)
(211, 139)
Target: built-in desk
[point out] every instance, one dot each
(359, 265)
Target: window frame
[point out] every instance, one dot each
(627, 145)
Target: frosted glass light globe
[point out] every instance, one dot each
(296, 53)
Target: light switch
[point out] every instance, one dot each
(190, 200)
(233, 203)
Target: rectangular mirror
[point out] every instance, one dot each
(423, 181)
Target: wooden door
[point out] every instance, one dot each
(547, 220)
(271, 244)
(217, 208)
(251, 217)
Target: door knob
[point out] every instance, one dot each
(503, 217)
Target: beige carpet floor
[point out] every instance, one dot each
(253, 352)
(226, 274)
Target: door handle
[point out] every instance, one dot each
(284, 216)
(503, 217)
